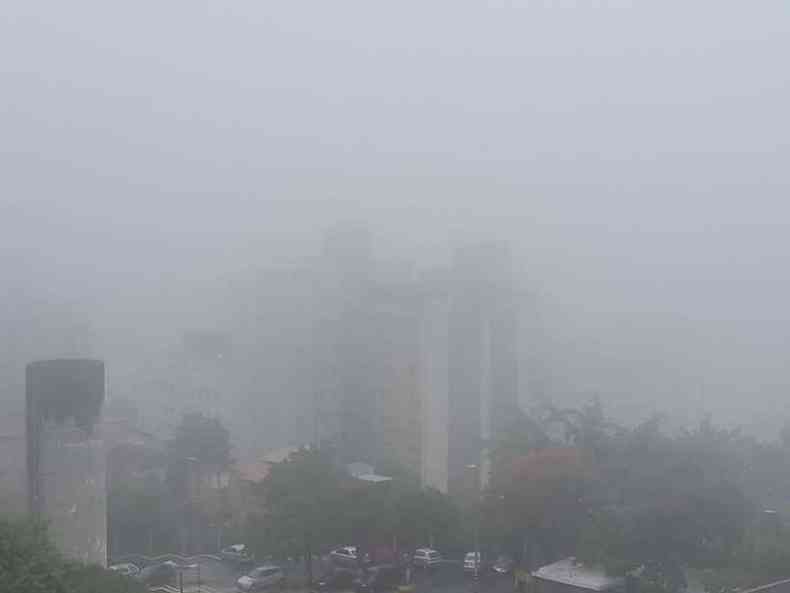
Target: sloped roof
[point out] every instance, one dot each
(254, 471)
(278, 455)
(359, 468)
(570, 572)
(373, 478)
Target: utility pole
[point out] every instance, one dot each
(474, 478)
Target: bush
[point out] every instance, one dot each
(29, 563)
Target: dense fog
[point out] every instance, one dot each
(172, 167)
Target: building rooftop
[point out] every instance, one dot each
(373, 478)
(359, 468)
(278, 455)
(575, 574)
(255, 471)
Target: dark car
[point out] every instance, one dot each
(377, 578)
(336, 579)
(158, 574)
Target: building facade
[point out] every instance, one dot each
(65, 458)
(418, 371)
(483, 357)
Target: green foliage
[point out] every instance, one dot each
(202, 439)
(649, 504)
(137, 517)
(29, 563)
(586, 428)
(81, 578)
(520, 434)
(762, 557)
(303, 498)
(311, 503)
(601, 542)
(425, 515)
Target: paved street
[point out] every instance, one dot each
(448, 578)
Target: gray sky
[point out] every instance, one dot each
(635, 153)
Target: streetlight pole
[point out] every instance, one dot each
(475, 489)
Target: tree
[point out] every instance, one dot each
(136, 517)
(202, 439)
(680, 504)
(302, 496)
(29, 563)
(540, 496)
(521, 434)
(586, 428)
(136, 501)
(426, 516)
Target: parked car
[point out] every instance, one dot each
(347, 556)
(377, 578)
(473, 562)
(127, 569)
(336, 579)
(158, 574)
(504, 564)
(426, 558)
(237, 553)
(263, 577)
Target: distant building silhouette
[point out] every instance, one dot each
(483, 365)
(65, 460)
(417, 371)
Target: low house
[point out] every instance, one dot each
(570, 576)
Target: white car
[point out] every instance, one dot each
(426, 558)
(472, 562)
(126, 569)
(236, 553)
(263, 577)
(346, 556)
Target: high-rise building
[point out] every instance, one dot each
(397, 392)
(419, 372)
(345, 384)
(434, 377)
(483, 366)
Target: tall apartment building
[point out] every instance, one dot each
(434, 377)
(398, 413)
(346, 382)
(420, 372)
(483, 365)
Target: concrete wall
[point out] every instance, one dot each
(73, 483)
(433, 376)
(65, 458)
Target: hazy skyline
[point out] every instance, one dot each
(635, 155)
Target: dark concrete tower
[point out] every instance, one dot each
(65, 461)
